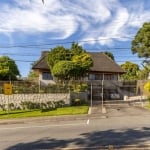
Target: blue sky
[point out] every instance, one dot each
(28, 27)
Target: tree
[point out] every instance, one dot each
(76, 49)
(144, 72)
(57, 54)
(110, 55)
(147, 86)
(8, 69)
(70, 63)
(141, 42)
(84, 62)
(32, 75)
(131, 69)
(65, 70)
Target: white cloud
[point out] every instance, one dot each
(98, 20)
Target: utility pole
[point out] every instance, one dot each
(102, 91)
(91, 96)
(103, 108)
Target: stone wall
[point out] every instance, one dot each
(18, 98)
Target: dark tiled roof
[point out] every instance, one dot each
(101, 63)
(41, 63)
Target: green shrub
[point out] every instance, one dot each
(30, 105)
(11, 106)
(2, 107)
(78, 102)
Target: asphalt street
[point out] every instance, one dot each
(121, 127)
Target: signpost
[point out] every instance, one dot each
(7, 91)
(7, 88)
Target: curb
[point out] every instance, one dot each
(41, 119)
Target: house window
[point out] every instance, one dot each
(46, 76)
(98, 76)
(91, 76)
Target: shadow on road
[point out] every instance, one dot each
(92, 139)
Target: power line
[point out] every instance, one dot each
(58, 43)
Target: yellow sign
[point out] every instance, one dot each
(7, 89)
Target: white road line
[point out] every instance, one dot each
(42, 126)
(88, 121)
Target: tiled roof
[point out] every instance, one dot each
(41, 63)
(101, 63)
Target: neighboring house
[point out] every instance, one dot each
(43, 70)
(103, 69)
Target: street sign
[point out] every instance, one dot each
(7, 89)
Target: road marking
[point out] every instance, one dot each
(88, 121)
(43, 126)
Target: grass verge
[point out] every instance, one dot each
(73, 110)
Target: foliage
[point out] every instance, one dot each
(110, 55)
(57, 54)
(131, 69)
(143, 74)
(28, 105)
(66, 64)
(78, 102)
(141, 42)
(2, 107)
(76, 49)
(49, 105)
(147, 87)
(65, 70)
(8, 69)
(84, 62)
(32, 75)
(80, 87)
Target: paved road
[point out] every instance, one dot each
(120, 126)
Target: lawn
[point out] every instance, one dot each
(73, 110)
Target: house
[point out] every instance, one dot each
(103, 68)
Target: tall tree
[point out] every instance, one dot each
(84, 62)
(76, 49)
(131, 69)
(144, 72)
(71, 63)
(57, 54)
(141, 42)
(109, 54)
(8, 69)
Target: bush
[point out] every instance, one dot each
(78, 102)
(30, 105)
(2, 107)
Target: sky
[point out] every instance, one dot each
(28, 27)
